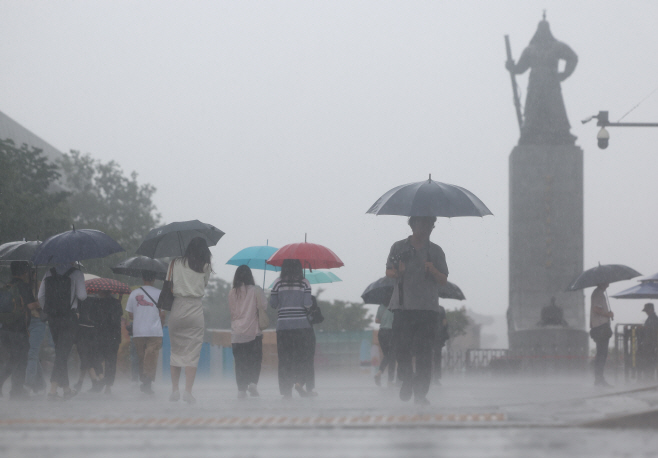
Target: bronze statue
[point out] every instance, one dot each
(545, 118)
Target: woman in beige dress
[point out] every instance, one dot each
(190, 275)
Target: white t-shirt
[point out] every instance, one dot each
(146, 315)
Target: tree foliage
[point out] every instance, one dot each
(31, 207)
(103, 198)
(342, 316)
(458, 321)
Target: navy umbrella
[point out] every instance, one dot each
(429, 198)
(602, 274)
(18, 251)
(134, 267)
(380, 291)
(172, 239)
(75, 245)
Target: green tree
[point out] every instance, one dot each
(103, 198)
(458, 321)
(32, 205)
(342, 316)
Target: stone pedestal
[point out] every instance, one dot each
(545, 247)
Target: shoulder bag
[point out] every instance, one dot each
(166, 299)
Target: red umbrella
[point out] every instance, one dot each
(311, 255)
(96, 285)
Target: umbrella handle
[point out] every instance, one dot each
(608, 302)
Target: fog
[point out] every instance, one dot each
(275, 120)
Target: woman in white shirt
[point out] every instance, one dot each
(190, 275)
(246, 301)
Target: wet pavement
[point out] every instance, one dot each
(350, 417)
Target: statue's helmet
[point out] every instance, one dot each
(543, 34)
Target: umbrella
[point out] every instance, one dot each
(429, 198)
(18, 251)
(90, 276)
(133, 267)
(380, 291)
(317, 277)
(75, 245)
(255, 257)
(96, 285)
(172, 239)
(607, 273)
(311, 255)
(645, 290)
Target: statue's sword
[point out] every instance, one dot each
(517, 102)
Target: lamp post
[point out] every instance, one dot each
(603, 137)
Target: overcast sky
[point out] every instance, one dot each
(275, 119)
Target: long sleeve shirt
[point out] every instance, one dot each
(245, 303)
(293, 301)
(78, 289)
(187, 282)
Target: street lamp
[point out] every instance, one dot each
(603, 137)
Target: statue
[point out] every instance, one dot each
(545, 118)
(552, 315)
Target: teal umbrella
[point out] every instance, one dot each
(318, 276)
(255, 257)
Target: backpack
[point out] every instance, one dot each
(11, 305)
(58, 301)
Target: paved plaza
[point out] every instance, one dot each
(351, 417)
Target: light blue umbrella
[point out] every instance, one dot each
(318, 276)
(255, 257)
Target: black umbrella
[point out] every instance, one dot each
(134, 267)
(18, 251)
(172, 239)
(429, 198)
(602, 274)
(380, 291)
(75, 245)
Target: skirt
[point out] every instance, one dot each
(186, 328)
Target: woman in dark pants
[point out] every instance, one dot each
(109, 336)
(291, 297)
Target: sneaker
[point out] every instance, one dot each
(378, 379)
(300, 389)
(96, 386)
(187, 397)
(407, 390)
(252, 390)
(68, 394)
(175, 396)
(421, 401)
(242, 395)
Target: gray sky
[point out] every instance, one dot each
(275, 119)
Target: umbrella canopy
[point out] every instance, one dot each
(90, 276)
(653, 277)
(172, 239)
(134, 267)
(429, 198)
(380, 291)
(318, 277)
(311, 255)
(601, 274)
(645, 290)
(75, 245)
(96, 285)
(255, 257)
(18, 251)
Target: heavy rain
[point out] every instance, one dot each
(328, 229)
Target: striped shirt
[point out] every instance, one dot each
(293, 301)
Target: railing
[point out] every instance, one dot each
(625, 354)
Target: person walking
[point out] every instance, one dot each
(246, 301)
(419, 267)
(89, 317)
(600, 331)
(384, 318)
(34, 379)
(147, 321)
(17, 295)
(291, 297)
(190, 275)
(109, 336)
(648, 343)
(440, 340)
(60, 292)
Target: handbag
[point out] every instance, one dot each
(314, 313)
(166, 299)
(263, 319)
(601, 332)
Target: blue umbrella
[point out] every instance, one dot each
(256, 258)
(319, 276)
(75, 245)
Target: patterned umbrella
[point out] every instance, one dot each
(96, 285)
